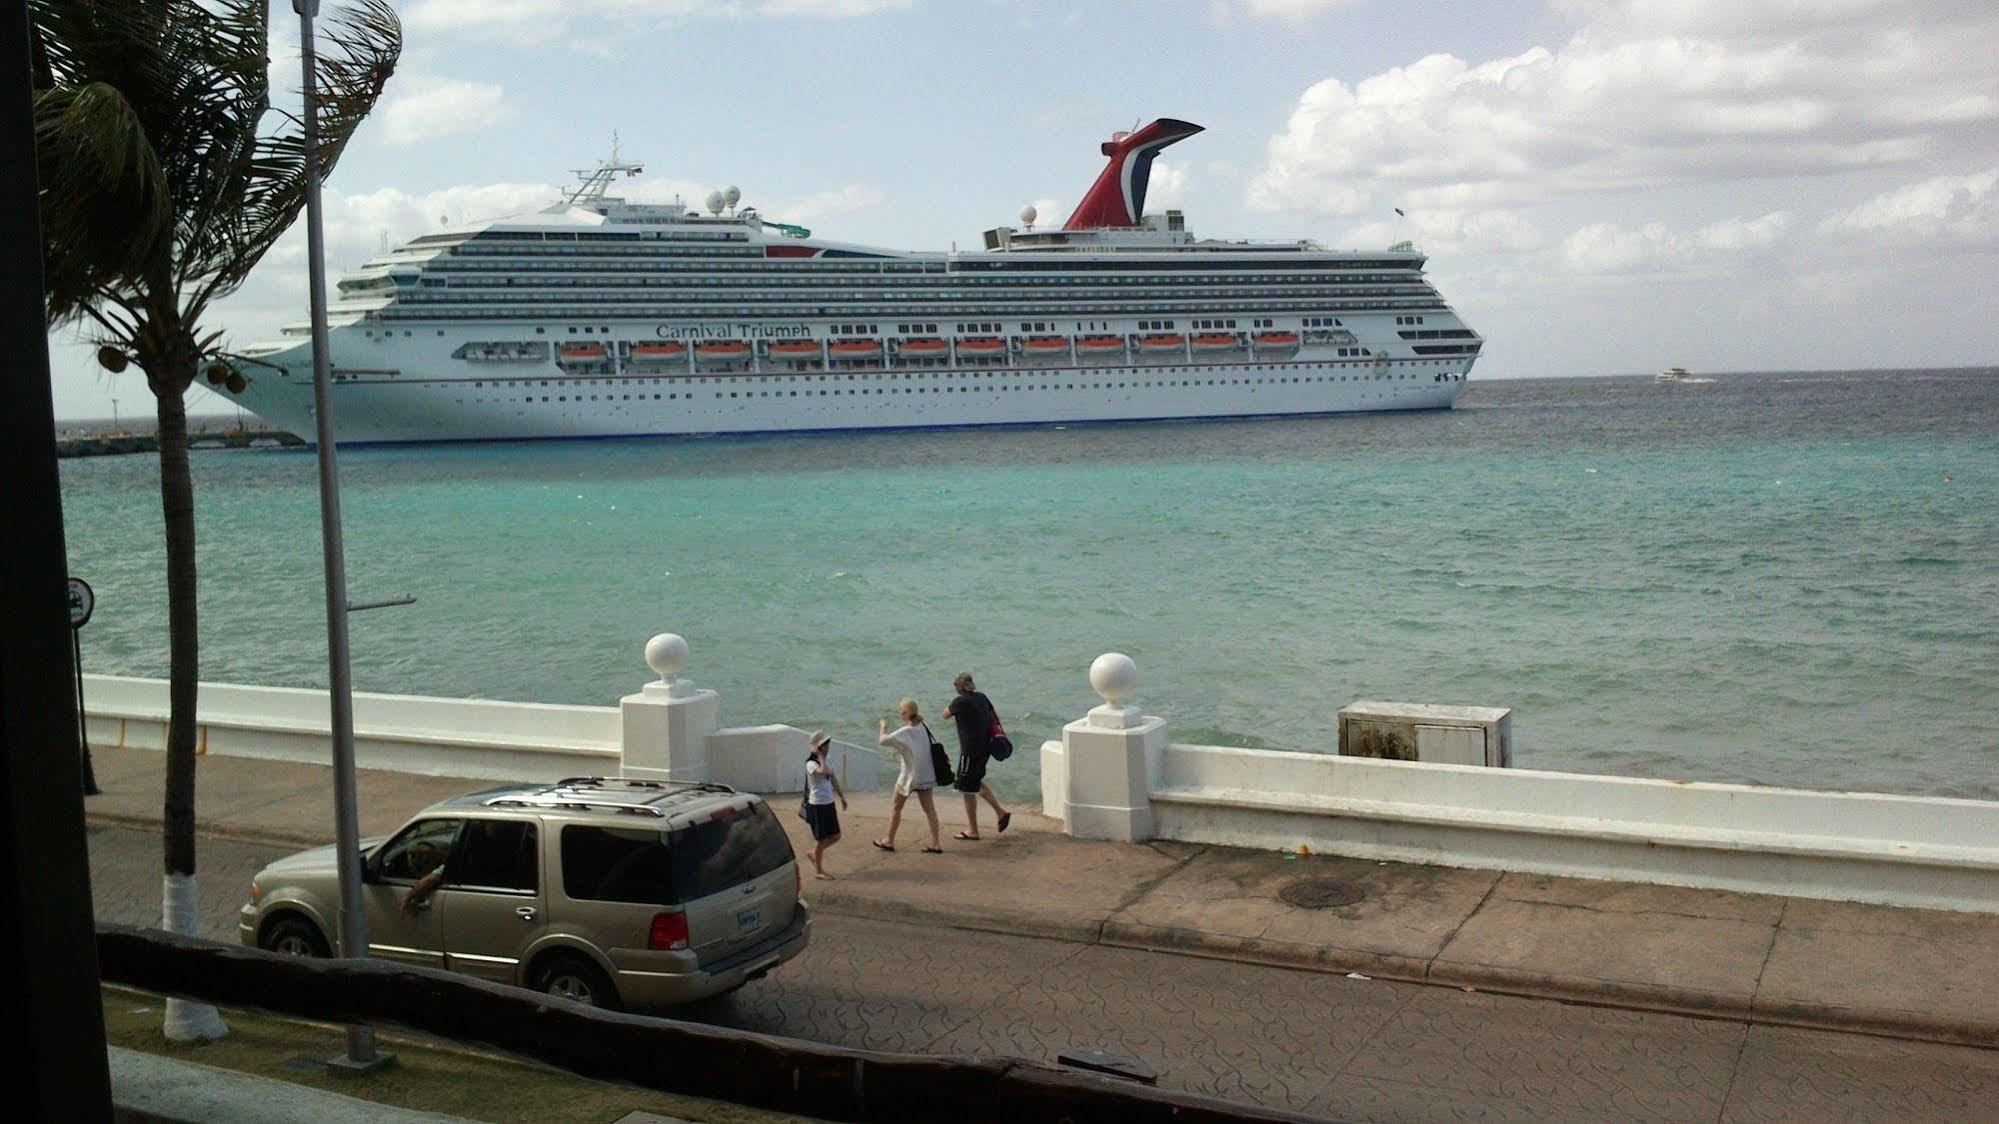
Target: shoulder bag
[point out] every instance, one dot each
(940, 762)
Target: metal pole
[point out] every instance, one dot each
(346, 819)
(82, 726)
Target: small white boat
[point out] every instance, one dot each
(1678, 374)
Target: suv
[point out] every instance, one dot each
(609, 892)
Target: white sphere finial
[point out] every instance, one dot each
(732, 195)
(1028, 214)
(666, 654)
(1114, 676)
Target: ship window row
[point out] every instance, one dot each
(1129, 384)
(767, 272)
(1072, 264)
(767, 295)
(643, 312)
(906, 329)
(1435, 333)
(1408, 319)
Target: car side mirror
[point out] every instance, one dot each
(371, 870)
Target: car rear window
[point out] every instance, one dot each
(615, 864)
(714, 855)
(611, 864)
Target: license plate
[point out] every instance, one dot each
(750, 920)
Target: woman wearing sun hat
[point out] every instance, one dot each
(821, 787)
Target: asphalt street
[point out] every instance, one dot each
(1316, 1042)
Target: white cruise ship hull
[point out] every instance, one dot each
(424, 400)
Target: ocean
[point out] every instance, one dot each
(1779, 578)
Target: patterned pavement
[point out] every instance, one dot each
(1322, 1043)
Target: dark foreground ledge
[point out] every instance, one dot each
(759, 1070)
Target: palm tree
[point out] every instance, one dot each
(165, 176)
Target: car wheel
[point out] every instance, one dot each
(295, 936)
(578, 980)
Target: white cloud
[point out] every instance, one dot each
(1649, 94)
(1961, 208)
(543, 18)
(1654, 247)
(1294, 9)
(424, 108)
(821, 205)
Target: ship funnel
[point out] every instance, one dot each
(1118, 196)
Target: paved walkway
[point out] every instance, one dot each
(1787, 961)
(151, 1087)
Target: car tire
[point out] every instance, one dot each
(571, 977)
(295, 936)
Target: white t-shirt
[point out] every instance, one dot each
(818, 782)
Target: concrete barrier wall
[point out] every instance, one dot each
(1903, 850)
(477, 738)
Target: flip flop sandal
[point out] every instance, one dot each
(881, 846)
(933, 850)
(1005, 819)
(969, 838)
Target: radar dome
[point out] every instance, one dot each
(714, 202)
(1028, 214)
(732, 195)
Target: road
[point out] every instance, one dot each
(1319, 1043)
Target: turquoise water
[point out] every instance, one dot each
(1788, 579)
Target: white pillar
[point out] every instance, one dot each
(1112, 757)
(666, 725)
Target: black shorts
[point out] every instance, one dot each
(971, 770)
(823, 820)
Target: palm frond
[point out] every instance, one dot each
(105, 198)
(358, 50)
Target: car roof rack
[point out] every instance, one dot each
(565, 794)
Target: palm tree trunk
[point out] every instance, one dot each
(183, 641)
(178, 896)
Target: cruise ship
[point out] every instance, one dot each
(599, 317)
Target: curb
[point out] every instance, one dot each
(1583, 991)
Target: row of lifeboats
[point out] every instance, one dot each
(932, 347)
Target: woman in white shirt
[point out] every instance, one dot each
(911, 743)
(821, 787)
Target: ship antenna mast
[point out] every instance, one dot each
(596, 181)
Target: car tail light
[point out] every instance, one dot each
(669, 932)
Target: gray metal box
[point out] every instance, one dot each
(1451, 735)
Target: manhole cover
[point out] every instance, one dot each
(1320, 893)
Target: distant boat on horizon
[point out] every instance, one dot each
(1678, 374)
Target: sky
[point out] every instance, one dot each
(1603, 186)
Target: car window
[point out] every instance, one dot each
(712, 856)
(417, 850)
(616, 864)
(496, 855)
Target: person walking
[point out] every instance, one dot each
(911, 743)
(977, 723)
(821, 787)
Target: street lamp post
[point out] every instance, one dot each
(361, 1052)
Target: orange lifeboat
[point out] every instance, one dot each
(981, 345)
(925, 347)
(1045, 345)
(1216, 341)
(1099, 345)
(795, 349)
(1161, 343)
(582, 352)
(855, 349)
(658, 350)
(722, 349)
(1276, 340)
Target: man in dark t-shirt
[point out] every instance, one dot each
(976, 722)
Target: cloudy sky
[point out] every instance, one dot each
(1603, 186)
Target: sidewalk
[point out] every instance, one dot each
(1760, 958)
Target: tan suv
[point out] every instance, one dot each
(609, 892)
